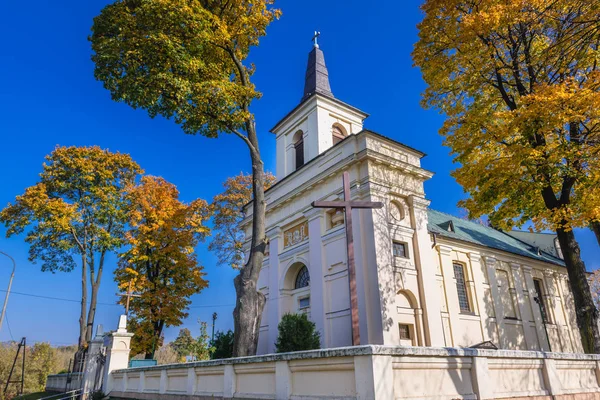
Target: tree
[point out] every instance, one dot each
(519, 83)
(186, 60)
(201, 347)
(223, 345)
(297, 333)
(160, 262)
(227, 206)
(183, 343)
(75, 210)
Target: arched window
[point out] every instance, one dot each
(302, 279)
(299, 148)
(338, 134)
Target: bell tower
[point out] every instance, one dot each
(318, 123)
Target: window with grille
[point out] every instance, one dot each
(400, 249)
(461, 288)
(302, 279)
(541, 300)
(404, 331)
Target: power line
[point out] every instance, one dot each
(101, 303)
(9, 330)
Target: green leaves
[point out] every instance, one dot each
(75, 209)
(181, 59)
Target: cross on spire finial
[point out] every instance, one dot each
(314, 39)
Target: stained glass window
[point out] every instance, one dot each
(461, 288)
(302, 279)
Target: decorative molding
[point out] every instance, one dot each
(444, 250)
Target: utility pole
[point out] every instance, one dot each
(23, 345)
(213, 330)
(12, 275)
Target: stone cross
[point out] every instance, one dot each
(347, 205)
(315, 37)
(129, 295)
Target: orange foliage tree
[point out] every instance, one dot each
(160, 259)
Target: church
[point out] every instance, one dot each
(419, 277)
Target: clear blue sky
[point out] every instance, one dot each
(48, 96)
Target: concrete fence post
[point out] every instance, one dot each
(142, 385)
(551, 378)
(228, 382)
(162, 386)
(480, 375)
(283, 380)
(191, 382)
(374, 377)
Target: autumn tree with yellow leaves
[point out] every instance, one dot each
(519, 82)
(75, 216)
(187, 60)
(160, 261)
(228, 238)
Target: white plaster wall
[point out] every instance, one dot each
(373, 373)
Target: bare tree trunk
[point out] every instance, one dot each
(595, 227)
(250, 302)
(585, 310)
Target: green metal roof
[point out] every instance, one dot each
(472, 232)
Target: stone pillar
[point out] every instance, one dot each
(92, 377)
(117, 352)
(535, 307)
(481, 378)
(317, 270)
(374, 377)
(490, 263)
(478, 279)
(283, 380)
(450, 289)
(228, 382)
(430, 296)
(273, 299)
(520, 289)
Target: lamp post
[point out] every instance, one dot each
(12, 275)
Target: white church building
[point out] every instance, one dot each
(423, 277)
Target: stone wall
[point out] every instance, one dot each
(370, 372)
(59, 382)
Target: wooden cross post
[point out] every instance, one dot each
(129, 295)
(347, 205)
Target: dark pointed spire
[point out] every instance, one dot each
(317, 78)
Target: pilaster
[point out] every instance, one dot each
(490, 263)
(478, 281)
(530, 340)
(274, 302)
(543, 340)
(283, 380)
(317, 270)
(229, 381)
(430, 296)
(445, 253)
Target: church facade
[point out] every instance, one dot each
(423, 278)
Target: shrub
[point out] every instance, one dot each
(223, 345)
(297, 333)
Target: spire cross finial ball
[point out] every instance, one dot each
(314, 39)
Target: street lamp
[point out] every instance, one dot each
(8, 291)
